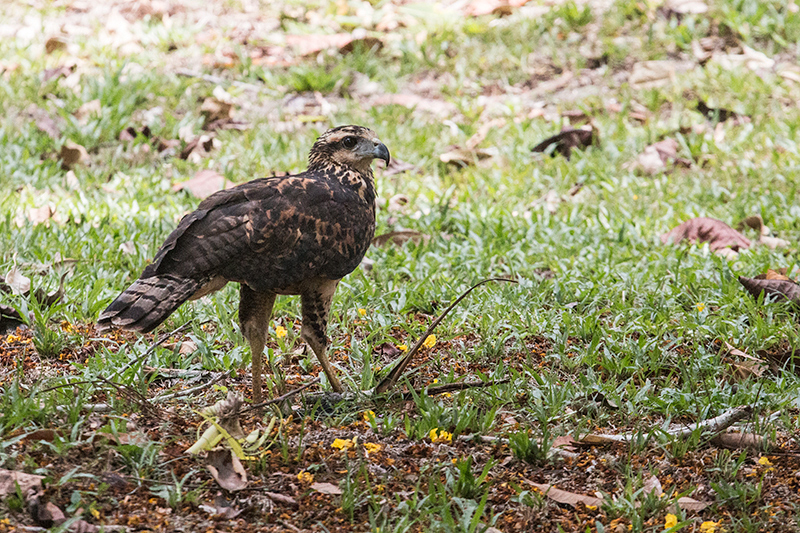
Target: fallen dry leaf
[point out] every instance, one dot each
(461, 157)
(227, 469)
(19, 283)
(568, 139)
(398, 238)
(749, 58)
(326, 488)
(658, 156)
(87, 111)
(690, 504)
(398, 166)
(214, 109)
(305, 45)
(651, 74)
(387, 351)
(778, 289)
(205, 183)
(55, 43)
(715, 114)
(562, 496)
(716, 233)
(10, 478)
(39, 215)
(198, 148)
(73, 154)
(652, 485)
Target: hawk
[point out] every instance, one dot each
(297, 234)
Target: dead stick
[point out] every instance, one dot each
(394, 375)
(453, 387)
(189, 392)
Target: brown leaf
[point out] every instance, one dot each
(650, 74)
(483, 131)
(57, 72)
(214, 109)
(690, 504)
(565, 442)
(9, 479)
(399, 238)
(281, 498)
(462, 157)
(779, 288)
(227, 124)
(45, 122)
(226, 469)
(39, 215)
(562, 496)
(205, 183)
(659, 156)
(46, 514)
(398, 166)
(305, 45)
(715, 114)
(55, 43)
(652, 485)
(48, 435)
(73, 154)
(88, 110)
(326, 488)
(740, 441)
(17, 281)
(568, 139)
(387, 350)
(716, 233)
(198, 147)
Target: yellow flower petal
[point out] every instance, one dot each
(402, 347)
(372, 447)
(305, 477)
(764, 461)
(343, 444)
(430, 341)
(280, 332)
(362, 311)
(701, 307)
(670, 521)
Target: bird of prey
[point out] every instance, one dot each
(297, 234)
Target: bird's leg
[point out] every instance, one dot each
(255, 310)
(316, 302)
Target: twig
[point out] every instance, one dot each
(280, 398)
(158, 343)
(176, 372)
(452, 387)
(394, 375)
(188, 392)
(714, 425)
(216, 80)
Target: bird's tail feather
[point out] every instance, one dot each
(147, 303)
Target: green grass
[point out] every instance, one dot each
(618, 317)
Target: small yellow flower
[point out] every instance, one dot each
(280, 332)
(402, 347)
(440, 436)
(670, 521)
(372, 447)
(700, 307)
(709, 526)
(362, 311)
(430, 341)
(764, 461)
(344, 444)
(435, 381)
(305, 477)
(591, 507)
(635, 196)
(95, 513)
(369, 417)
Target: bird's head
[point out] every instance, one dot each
(349, 146)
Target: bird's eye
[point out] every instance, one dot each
(350, 142)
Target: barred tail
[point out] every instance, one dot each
(147, 303)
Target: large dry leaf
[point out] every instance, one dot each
(716, 233)
(659, 156)
(304, 45)
(399, 238)
(690, 504)
(716, 114)
(227, 470)
(205, 183)
(462, 157)
(650, 74)
(398, 166)
(652, 485)
(55, 43)
(45, 122)
(780, 289)
(569, 139)
(214, 109)
(73, 154)
(88, 110)
(19, 283)
(326, 488)
(749, 58)
(10, 478)
(563, 496)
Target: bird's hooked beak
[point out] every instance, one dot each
(381, 152)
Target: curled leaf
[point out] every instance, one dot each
(780, 289)
(716, 233)
(569, 139)
(227, 470)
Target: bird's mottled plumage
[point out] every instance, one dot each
(296, 234)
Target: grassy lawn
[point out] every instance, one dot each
(108, 108)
